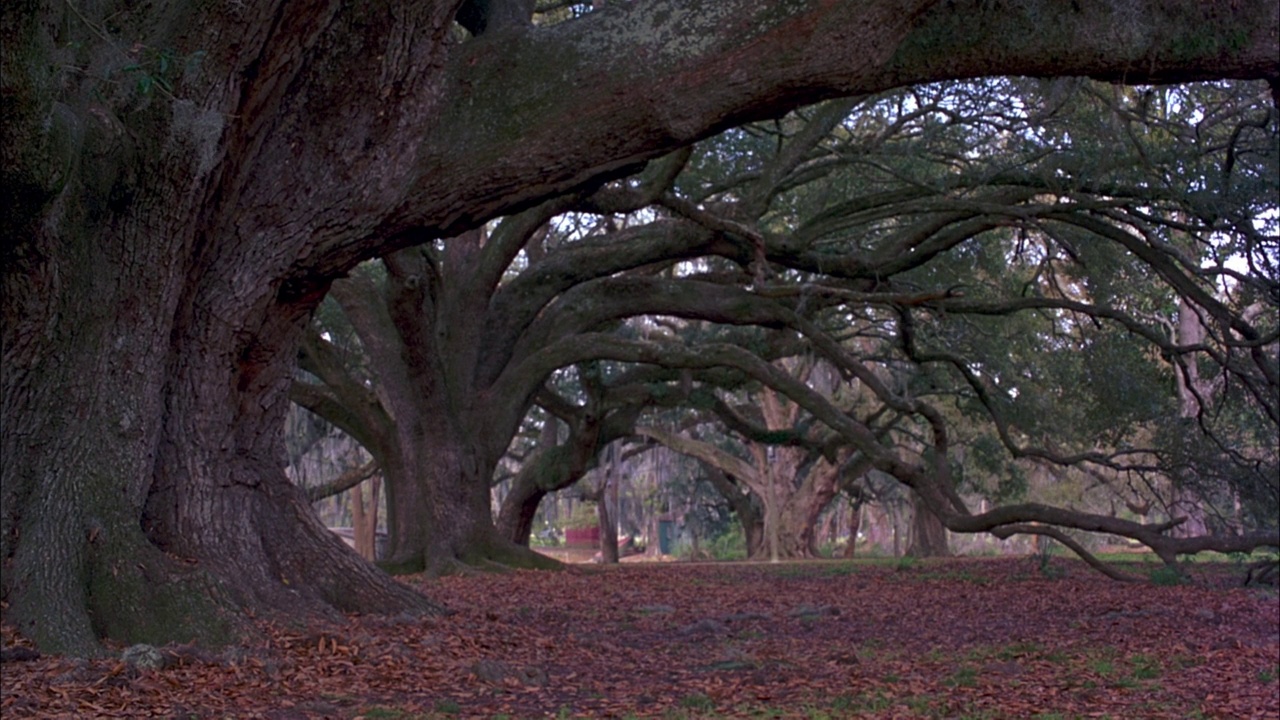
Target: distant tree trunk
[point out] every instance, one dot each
(437, 451)
(520, 507)
(359, 522)
(459, 515)
(855, 525)
(364, 518)
(538, 475)
(407, 523)
(928, 534)
(745, 509)
(386, 434)
(608, 530)
(555, 467)
(895, 521)
(600, 496)
(772, 509)
(799, 516)
(830, 529)
(1193, 390)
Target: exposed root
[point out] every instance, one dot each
(1263, 572)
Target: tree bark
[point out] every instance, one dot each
(348, 480)
(1194, 393)
(557, 466)
(608, 525)
(745, 508)
(928, 534)
(855, 526)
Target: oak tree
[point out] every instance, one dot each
(182, 182)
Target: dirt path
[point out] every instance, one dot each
(959, 639)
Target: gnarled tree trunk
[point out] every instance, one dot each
(928, 534)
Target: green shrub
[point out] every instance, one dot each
(1166, 576)
(730, 545)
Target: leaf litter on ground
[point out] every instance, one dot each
(990, 638)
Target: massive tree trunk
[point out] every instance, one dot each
(427, 418)
(799, 517)
(181, 182)
(928, 534)
(152, 310)
(797, 486)
(183, 444)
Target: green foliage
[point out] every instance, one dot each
(991, 460)
(583, 517)
(448, 707)
(1166, 576)
(1043, 558)
(963, 677)
(546, 538)
(1144, 667)
(729, 545)
(698, 702)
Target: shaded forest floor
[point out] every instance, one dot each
(962, 638)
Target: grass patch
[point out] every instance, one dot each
(698, 702)
(1165, 576)
(871, 702)
(1144, 667)
(448, 707)
(1102, 666)
(1016, 650)
(1057, 657)
(964, 677)
(921, 704)
(381, 713)
(957, 575)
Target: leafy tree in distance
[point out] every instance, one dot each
(1044, 363)
(963, 207)
(182, 182)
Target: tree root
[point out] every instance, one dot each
(1263, 572)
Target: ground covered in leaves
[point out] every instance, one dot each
(1005, 638)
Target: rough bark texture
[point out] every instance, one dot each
(741, 502)
(928, 534)
(181, 182)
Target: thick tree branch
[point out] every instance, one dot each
(677, 92)
(343, 482)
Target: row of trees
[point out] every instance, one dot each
(954, 285)
(183, 181)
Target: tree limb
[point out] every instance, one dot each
(343, 482)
